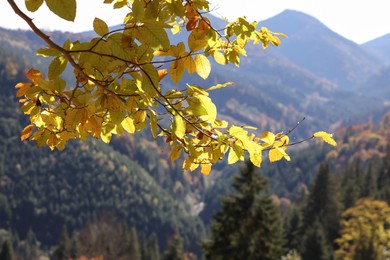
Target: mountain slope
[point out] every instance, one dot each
(44, 190)
(314, 47)
(380, 47)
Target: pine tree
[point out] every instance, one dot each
(352, 185)
(134, 247)
(175, 249)
(248, 225)
(63, 250)
(370, 186)
(315, 244)
(384, 177)
(323, 204)
(153, 248)
(7, 252)
(293, 229)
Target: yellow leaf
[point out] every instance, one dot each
(219, 58)
(219, 86)
(162, 73)
(203, 107)
(26, 132)
(128, 125)
(203, 66)
(190, 64)
(153, 123)
(236, 153)
(64, 9)
(33, 5)
(268, 138)
(196, 41)
(179, 127)
(205, 168)
(328, 138)
(176, 70)
(175, 153)
(278, 153)
(256, 158)
(100, 27)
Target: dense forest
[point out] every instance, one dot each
(126, 200)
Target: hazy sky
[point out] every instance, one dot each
(357, 20)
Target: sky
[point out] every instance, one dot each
(356, 20)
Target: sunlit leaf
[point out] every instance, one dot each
(175, 153)
(100, 27)
(328, 138)
(179, 126)
(203, 66)
(205, 168)
(33, 5)
(64, 9)
(56, 67)
(26, 132)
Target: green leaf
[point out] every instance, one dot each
(56, 67)
(179, 126)
(64, 9)
(33, 5)
(100, 27)
(155, 35)
(47, 52)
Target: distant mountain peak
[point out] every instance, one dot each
(294, 21)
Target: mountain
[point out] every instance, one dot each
(380, 47)
(313, 46)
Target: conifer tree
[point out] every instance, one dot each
(153, 247)
(7, 252)
(175, 249)
(352, 185)
(315, 244)
(63, 250)
(248, 225)
(384, 177)
(134, 247)
(323, 204)
(370, 186)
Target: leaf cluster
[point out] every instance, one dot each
(117, 83)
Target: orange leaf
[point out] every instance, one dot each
(26, 132)
(34, 75)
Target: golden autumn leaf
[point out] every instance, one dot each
(205, 168)
(100, 27)
(175, 153)
(328, 138)
(34, 75)
(26, 132)
(203, 66)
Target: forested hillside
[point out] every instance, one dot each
(51, 202)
